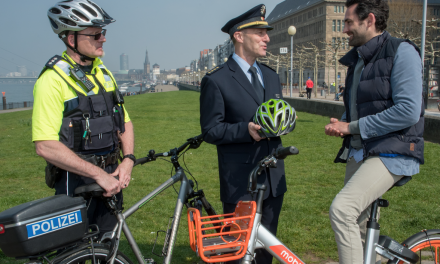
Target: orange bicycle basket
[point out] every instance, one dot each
(221, 238)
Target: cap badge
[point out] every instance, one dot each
(263, 10)
(262, 18)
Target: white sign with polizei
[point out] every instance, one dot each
(53, 224)
(283, 50)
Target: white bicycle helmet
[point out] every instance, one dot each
(76, 15)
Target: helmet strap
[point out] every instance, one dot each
(82, 57)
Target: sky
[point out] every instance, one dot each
(173, 31)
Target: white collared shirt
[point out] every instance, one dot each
(245, 67)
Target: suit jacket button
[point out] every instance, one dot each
(268, 139)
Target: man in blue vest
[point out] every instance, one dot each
(383, 123)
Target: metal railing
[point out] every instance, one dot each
(16, 105)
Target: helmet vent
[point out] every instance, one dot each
(278, 120)
(81, 15)
(89, 9)
(55, 11)
(65, 7)
(268, 122)
(271, 110)
(54, 25)
(94, 5)
(67, 21)
(67, 1)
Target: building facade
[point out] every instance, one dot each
(317, 22)
(124, 62)
(146, 64)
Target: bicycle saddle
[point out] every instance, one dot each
(90, 190)
(401, 182)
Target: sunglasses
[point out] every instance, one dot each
(97, 36)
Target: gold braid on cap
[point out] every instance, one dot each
(256, 23)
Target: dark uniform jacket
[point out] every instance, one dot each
(228, 103)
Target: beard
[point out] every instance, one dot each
(356, 40)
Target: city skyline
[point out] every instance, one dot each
(173, 31)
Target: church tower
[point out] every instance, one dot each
(146, 64)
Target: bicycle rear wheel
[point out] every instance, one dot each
(85, 256)
(425, 244)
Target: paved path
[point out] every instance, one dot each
(166, 88)
(14, 110)
(428, 112)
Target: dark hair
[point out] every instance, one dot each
(379, 8)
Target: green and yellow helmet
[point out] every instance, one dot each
(276, 117)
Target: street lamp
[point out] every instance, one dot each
(291, 31)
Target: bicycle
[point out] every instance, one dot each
(241, 232)
(76, 247)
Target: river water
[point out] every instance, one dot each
(22, 92)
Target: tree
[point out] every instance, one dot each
(334, 48)
(315, 58)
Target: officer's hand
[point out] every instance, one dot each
(109, 184)
(253, 128)
(124, 171)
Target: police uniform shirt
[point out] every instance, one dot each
(52, 93)
(245, 67)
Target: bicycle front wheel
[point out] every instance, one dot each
(86, 257)
(426, 244)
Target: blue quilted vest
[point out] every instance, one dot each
(375, 95)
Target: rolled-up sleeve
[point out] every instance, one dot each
(406, 86)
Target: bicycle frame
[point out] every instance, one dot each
(263, 238)
(185, 189)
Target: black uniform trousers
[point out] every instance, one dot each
(97, 212)
(271, 213)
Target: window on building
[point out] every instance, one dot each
(342, 8)
(343, 25)
(336, 9)
(295, 19)
(334, 25)
(333, 42)
(339, 41)
(315, 12)
(305, 17)
(339, 25)
(321, 10)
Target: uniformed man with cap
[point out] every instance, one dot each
(230, 95)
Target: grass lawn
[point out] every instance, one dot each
(165, 120)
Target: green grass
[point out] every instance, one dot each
(165, 120)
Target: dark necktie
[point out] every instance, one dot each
(256, 83)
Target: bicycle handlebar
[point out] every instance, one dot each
(282, 153)
(193, 143)
(269, 162)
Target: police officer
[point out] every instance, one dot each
(230, 96)
(78, 117)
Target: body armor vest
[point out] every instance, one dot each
(90, 121)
